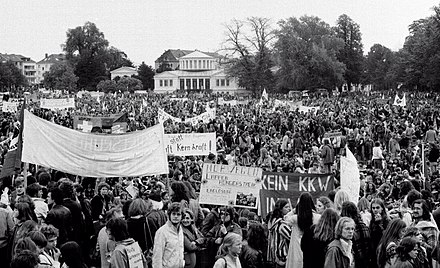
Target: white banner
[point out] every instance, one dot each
(204, 117)
(164, 116)
(185, 144)
(350, 181)
(57, 104)
(139, 153)
(10, 107)
(179, 99)
(307, 109)
(226, 185)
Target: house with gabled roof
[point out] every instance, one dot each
(26, 65)
(197, 71)
(44, 65)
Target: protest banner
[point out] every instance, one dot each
(204, 117)
(9, 107)
(350, 181)
(57, 104)
(307, 109)
(139, 153)
(178, 99)
(228, 185)
(185, 144)
(164, 116)
(86, 123)
(134, 255)
(334, 134)
(289, 186)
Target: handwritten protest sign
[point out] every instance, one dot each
(289, 186)
(57, 104)
(185, 144)
(10, 107)
(134, 255)
(333, 134)
(230, 185)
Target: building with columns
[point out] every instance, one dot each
(197, 71)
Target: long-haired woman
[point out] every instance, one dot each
(340, 197)
(323, 203)
(279, 234)
(386, 251)
(254, 246)
(379, 222)
(314, 244)
(231, 246)
(193, 239)
(364, 209)
(301, 222)
(406, 253)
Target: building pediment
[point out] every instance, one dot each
(124, 70)
(197, 55)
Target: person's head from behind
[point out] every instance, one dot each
(325, 228)
(350, 210)
(139, 207)
(55, 195)
(22, 212)
(34, 190)
(179, 192)
(51, 233)
(117, 229)
(175, 213)
(363, 205)
(256, 236)
(39, 239)
(340, 197)
(67, 188)
(232, 244)
(25, 259)
(25, 243)
(71, 254)
(304, 209)
(407, 249)
(344, 229)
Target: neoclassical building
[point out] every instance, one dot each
(196, 71)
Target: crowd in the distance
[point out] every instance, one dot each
(53, 219)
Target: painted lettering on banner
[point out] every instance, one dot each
(230, 185)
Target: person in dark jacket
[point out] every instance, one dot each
(211, 220)
(339, 253)
(314, 244)
(100, 203)
(328, 156)
(78, 223)
(361, 238)
(253, 247)
(59, 216)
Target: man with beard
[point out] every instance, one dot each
(423, 221)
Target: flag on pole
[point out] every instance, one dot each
(350, 180)
(264, 95)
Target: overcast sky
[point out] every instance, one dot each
(144, 29)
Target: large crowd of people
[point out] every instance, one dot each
(52, 219)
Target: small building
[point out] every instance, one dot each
(26, 65)
(123, 72)
(197, 71)
(44, 65)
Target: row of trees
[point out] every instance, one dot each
(308, 53)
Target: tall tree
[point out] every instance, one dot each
(146, 75)
(250, 42)
(379, 62)
(10, 76)
(61, 77)
(421, 53)
(306, 52)
(352, 53)
(89, 52)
